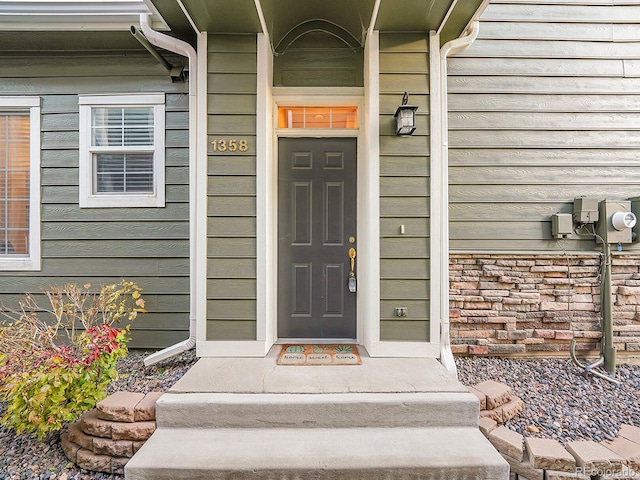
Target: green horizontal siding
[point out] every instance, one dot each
(541, 113)
(404, 190)
(98, 246)
(231, 188)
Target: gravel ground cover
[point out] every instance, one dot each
(25, 458)
(559, 402)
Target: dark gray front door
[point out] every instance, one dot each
(316, 229)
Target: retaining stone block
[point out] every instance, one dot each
(511, 409)
(146, 409)
(627, 449)
(104, 445)
(133, 431)
(593, 456)
(497, 393)
(493, 414)
(524, 469)
(113, 448)
(90, 461)
(548, 454)
(69, 448)
(77, 436)
(553, 475)
(507, 442)
(482, 398)
(92, 425)
(119, 407)
(487, 425)
(630, 432)
(118, 464)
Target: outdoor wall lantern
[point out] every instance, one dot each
(405, 117)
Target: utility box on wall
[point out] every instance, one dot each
(585, 210)
(635, 208)
(615, 222)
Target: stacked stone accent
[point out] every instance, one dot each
(497, 401)
(546, 459)
(531, 304)
(105, 438)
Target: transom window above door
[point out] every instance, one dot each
(318, 117)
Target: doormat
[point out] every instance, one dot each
(318, 354)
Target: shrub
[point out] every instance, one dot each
(57, 361)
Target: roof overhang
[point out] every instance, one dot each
(279, 17)
(86, 15)
(51, 25)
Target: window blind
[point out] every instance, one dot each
(14, 184)
(122, 164)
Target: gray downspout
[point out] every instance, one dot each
(182, 48)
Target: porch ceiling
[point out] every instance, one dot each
(355, 16)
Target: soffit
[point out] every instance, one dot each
(355, 16)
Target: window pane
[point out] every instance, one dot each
(318, 117)
(14, 184)
(124, 173)
(121, 126)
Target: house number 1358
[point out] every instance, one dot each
(231, 145)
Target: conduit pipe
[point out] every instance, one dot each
(607, 351)
(182, 48)
(440, 181)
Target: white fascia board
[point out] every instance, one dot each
(68, 15)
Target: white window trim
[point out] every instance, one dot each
(87, 199)
(31, 105)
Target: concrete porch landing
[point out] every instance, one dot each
(263, 375)
(389, 418)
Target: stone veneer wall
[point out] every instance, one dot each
(520, 304)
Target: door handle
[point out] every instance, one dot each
(352, 273)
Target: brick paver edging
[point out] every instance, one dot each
(546, 459)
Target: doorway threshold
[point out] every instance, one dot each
(319, 341)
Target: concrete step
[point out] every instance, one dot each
(317, 454)
(337, 410)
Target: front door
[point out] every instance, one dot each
(316, 230)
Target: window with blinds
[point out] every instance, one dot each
(114, 130)
(122, 150)
(20, 183)
(14, 184)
